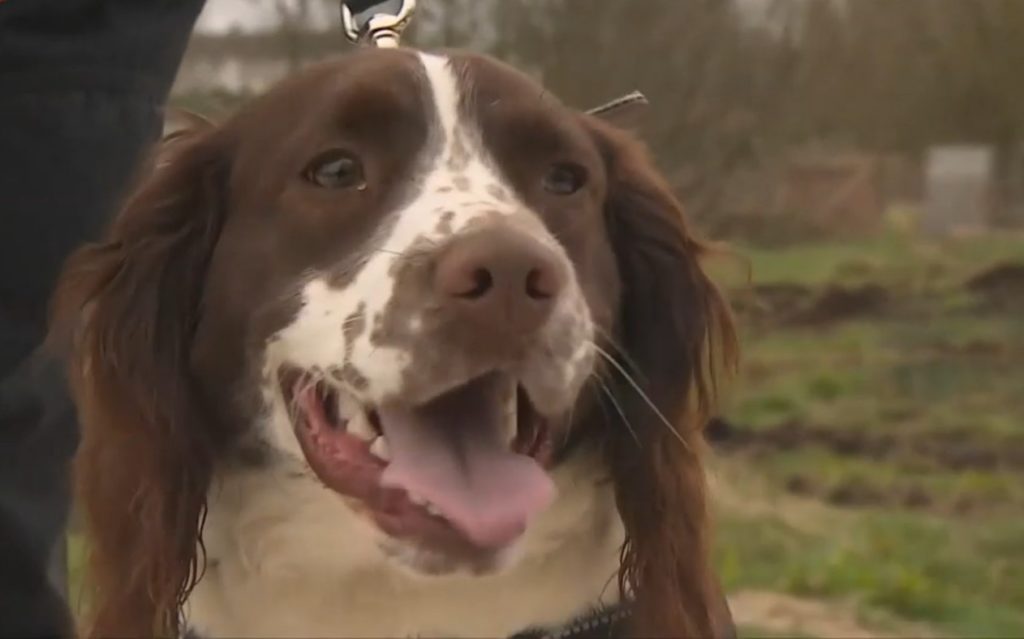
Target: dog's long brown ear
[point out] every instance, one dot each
(126, 308)
(676, 331)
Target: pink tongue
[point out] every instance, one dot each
(452, 453)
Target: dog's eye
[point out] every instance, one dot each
(336, 169)
(565, 179)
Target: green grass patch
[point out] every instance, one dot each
(753, 632)
(890, 257)
(950, 373)
(900, 480)
(919, 568)
(77, 594)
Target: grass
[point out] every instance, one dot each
(962, 578)
(910, 419)
(77, 595)
(911, 482)
(892, 256)
(945, 373)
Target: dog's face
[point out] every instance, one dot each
(412, 272)
(420, 282)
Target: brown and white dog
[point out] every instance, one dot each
(404, 348)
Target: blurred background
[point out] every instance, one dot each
(866, 157)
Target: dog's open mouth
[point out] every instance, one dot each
(464, 471)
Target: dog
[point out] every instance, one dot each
(405, 347)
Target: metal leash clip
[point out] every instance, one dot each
(378, 23)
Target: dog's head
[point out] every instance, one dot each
(424, 281)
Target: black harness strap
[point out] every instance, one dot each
(601, 623)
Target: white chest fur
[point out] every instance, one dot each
(288, 559)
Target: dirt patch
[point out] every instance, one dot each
(978, 347)
(854, 492)
(1002, 279)
(913, 454)
(795, 305)
(957, 450)
(1000, 286)
(771, 303)
(786, 615)
(837, 303)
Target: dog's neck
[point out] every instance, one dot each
(286, 558)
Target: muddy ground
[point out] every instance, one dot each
(999, 287)
(912, 453)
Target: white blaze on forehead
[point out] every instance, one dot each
(473, 178)
(445, 88)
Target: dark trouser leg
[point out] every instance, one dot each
(82, 85)
(37, 439)
(67, 161)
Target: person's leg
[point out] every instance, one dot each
(82, 87)
(37, 439)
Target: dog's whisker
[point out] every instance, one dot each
(567, 431)
(604, 411)
(619, 349)
(618, 408)
(636, 387)
(400, 254)
(604, 589)
(309, 381)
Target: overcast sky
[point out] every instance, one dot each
(247, 15)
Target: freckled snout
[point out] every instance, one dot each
(500, 280)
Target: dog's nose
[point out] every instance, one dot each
(501, 279)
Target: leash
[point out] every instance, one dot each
(376, 22)
(380, 23)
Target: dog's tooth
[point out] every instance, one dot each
(510, 412)
(416, 499)
(432, 509)
(511, 425)
(379, 448)
(359, 427)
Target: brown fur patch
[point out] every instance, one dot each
(498, 193)
(444, 225)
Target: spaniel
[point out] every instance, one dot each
(405, 347)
